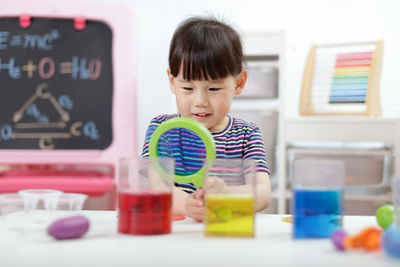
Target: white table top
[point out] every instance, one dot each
(185, 246)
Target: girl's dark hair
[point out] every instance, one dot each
(204, 48)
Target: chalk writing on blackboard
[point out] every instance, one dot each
(78, 68)
(56, 85)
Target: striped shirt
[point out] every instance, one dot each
(239, 140)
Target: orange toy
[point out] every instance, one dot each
(369, 239)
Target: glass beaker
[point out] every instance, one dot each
(145, 196)
(230, 207)
(317, 197)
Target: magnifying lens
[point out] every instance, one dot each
(195, 177)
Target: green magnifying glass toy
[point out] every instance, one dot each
(196, 178)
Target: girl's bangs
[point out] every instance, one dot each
(204, 66)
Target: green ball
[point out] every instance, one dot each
(384, 216)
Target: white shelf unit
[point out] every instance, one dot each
(265, 50)
(338, 129)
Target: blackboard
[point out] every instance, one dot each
(56, 85)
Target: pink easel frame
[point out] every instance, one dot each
(120, 19)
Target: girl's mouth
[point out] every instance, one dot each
(201, 116)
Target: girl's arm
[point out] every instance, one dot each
(262, 191)
(178, 201)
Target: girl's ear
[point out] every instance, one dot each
(171, 81)
(240, 82)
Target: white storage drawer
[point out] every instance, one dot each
(367, 170)
(262, 80)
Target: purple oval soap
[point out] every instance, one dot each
(67, 228)
(337, 239)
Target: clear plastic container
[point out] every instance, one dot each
(71, 201)
(11, 205)
(33, 197)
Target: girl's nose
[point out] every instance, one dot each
(201, 98)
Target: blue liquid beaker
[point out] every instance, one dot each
(317, 213)
(317, 197)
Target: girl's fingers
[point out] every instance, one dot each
(194, 202)
(195, 208)
(197, 214)
(199, 194)
(197, 211)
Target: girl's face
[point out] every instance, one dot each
(207, 101)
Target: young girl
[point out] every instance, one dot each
(205, 73)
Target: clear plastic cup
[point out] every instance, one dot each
(317, 197)
(12, 211)
(36, 200)
(145, 196)
(33, 197)
(229, 188)
(71, 201)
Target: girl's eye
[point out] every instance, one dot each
(214, 89)
(188, 88)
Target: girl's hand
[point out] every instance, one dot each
(194, 205)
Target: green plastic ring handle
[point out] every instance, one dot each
(196, 178)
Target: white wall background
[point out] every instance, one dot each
(304, 21)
